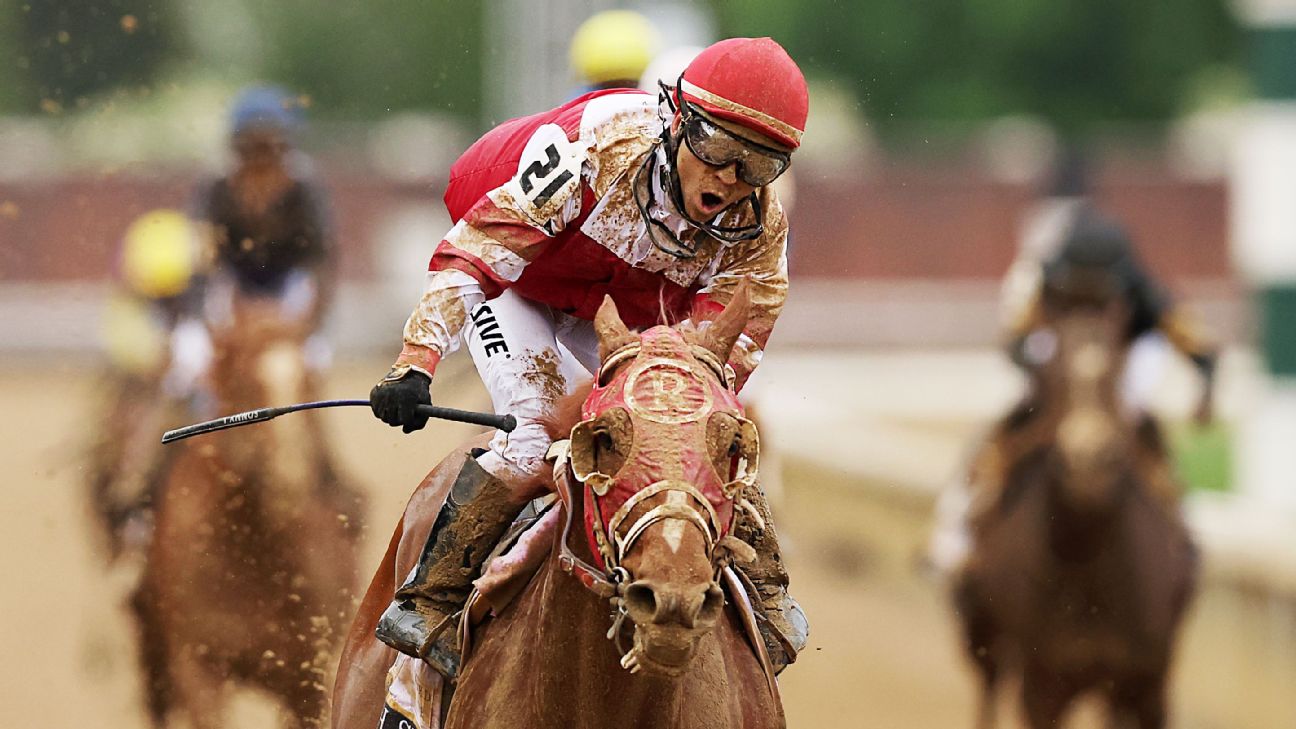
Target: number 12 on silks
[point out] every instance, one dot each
(548, 173)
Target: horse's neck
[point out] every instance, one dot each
(584, 671)
(284, 450)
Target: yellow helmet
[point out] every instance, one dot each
(613, 45)
(158, 254)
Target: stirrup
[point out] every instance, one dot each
(785, 628)
(404, 628)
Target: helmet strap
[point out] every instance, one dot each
(730, 234)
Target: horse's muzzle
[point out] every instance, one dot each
(669, 622)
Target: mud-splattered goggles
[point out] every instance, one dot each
(758, 165)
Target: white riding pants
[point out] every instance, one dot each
(528, 356)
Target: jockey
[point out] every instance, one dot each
(1088, 240)
(156, 266)
(1087, 243)
(662, 205)
(155, 270)
(265, 232)
(1072, 243)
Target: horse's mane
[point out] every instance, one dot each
(566, 413)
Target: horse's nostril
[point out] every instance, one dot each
(640, 601)
(691, 606)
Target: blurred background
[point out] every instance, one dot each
(934, 129)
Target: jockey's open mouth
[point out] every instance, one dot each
(710, 204)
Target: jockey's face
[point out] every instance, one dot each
(708, 189)
(260, 149)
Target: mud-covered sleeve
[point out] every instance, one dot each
(1020, 298)
(487, 250)
(763, 263)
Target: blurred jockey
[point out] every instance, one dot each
(1066, 233)
(611, 49)
(155, 270)
(158, 258)
(265, 233)
(1071, 240)
(662, 205)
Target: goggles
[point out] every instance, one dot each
(758, 165)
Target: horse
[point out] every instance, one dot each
(251, 568)
(642, 623)
(1079, 577)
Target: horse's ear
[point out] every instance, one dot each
(612, 332)
(723, 333)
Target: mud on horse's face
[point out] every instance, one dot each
(664, 452)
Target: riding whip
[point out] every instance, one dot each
(505, 423)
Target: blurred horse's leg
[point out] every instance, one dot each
(152, 652)
(989, 693)
(1044, 696)
(1139, 704)
(196, 690)
(979, 634)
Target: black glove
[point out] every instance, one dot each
(395, 400)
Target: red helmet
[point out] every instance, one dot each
(752, 82)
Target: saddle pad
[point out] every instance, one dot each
(414, 693)
(508, 572)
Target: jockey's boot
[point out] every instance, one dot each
(423, 619)
(782, 622)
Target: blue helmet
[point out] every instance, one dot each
(264, 107)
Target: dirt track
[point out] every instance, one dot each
(882, 654)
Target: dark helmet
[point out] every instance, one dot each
(265, 107)
(1093, 261)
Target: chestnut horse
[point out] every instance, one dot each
(1079, 578)
(654, 471)
(250, 574)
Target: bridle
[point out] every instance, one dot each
(609, 581)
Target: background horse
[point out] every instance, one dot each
(251, 567)
(545, 659)
(1079, 578)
